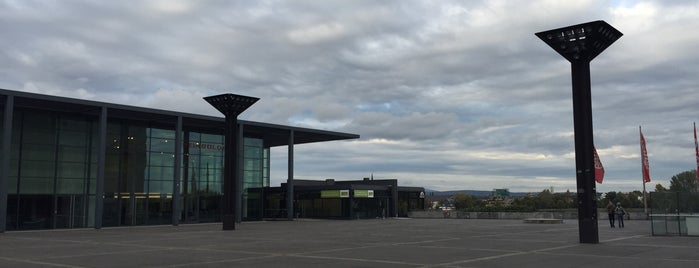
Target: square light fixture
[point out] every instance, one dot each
(582, 42)
(231, 104)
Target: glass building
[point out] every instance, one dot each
(69, 163)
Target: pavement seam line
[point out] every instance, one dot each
(224, 261)
(426, 241)
(40, 262)
(614, 257)
(483, 258)
(516, 253)
(144, 248)
(351, 259)
(622, 238)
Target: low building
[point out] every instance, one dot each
(355, 199)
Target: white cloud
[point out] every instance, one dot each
(169, 6)
(446, 94)
(317, 33)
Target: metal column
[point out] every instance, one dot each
(101, 156)
(352, 215)
(5, 164)
(584, 158)
(176, 209)
(394, 194)
(290, 179)
(230, 168)
(240, 151)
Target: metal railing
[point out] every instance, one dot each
(674, 213)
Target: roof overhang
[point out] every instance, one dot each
(272, 134)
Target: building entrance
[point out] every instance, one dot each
(70, 211)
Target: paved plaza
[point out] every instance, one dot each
(358, 243)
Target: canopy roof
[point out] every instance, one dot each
(272, 134)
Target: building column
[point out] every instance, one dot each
(101, 157)
(394, 196)
(176, 209)
(240, 176)
(5, 164)
(351, 202)
(290, 179)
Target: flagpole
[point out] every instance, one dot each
(696, 148)
(645, 204)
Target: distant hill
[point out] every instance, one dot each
(475, 193)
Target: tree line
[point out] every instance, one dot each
(683, 182)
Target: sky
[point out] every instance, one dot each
(446, 95)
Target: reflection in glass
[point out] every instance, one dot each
(51, 176)
(53, 171)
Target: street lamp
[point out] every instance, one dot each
(579, 44)
(230, 105)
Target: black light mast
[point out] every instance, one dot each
(579, 44)
(230, 105)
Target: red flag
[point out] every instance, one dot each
(599, 169)
(644, 158)
(696, 149)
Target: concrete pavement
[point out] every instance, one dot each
(358, 243)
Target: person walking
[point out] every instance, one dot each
(611, 213)
(620, 212)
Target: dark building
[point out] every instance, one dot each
(359, 199)
(70, 163)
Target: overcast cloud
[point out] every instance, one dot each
(445, 94)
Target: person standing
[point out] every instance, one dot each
(611, 213)
(620, 212)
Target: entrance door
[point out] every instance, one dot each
(63, 211)
(191, 209)
(70, 211)
(134, 209)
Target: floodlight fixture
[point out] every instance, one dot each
(230, 105)
(580, 44)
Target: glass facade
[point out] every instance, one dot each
(202, 178)
(139, 175)
(255, 178)
(53, 171)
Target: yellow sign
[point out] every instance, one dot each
(334, 194)
(363, 193)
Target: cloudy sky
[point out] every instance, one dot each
(445, 94)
